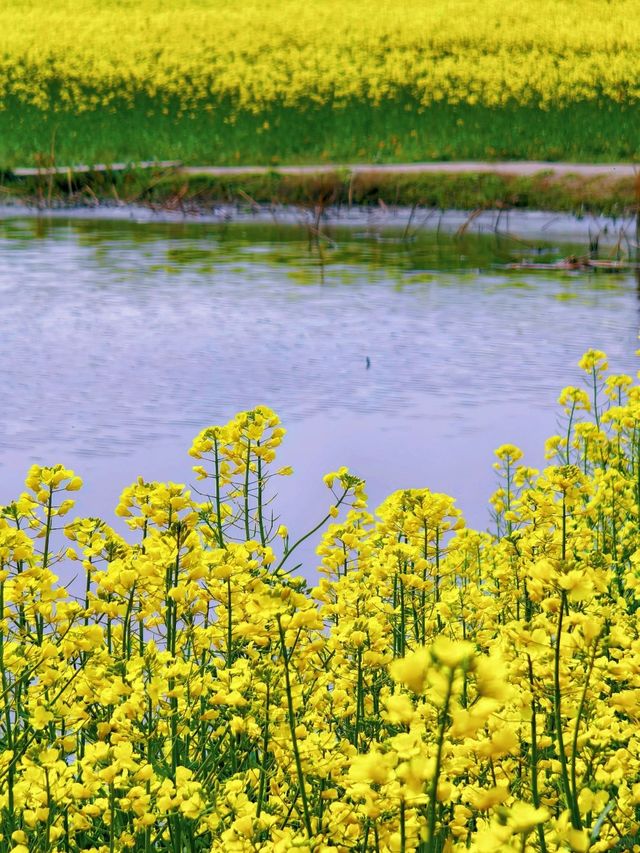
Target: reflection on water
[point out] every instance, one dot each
(120, 341)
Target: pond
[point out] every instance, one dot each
(407, 360)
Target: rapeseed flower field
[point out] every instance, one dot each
(356, 79)
(440, 689)
(544, 52)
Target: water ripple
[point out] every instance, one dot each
(117, 339)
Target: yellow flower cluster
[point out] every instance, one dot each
(90, 53)
(439, 690)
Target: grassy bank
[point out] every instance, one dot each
(398, 130)
(173, 190)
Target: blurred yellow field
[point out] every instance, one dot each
(543, 52)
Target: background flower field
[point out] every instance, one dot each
(290, 81)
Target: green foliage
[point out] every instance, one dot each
(396, 131)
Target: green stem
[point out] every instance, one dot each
(574, 743)
(569, 428)
(292, 730)
(433, 793)
(557, 713)
(246, 492)
(8, 721)
(263, 536)
(310, 533)
(359, 701)
(229, 625)
(535, 794)
(47, 535)
(218, 501)
(265, 752)
(112, 814)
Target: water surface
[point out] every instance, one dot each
(120, 341)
